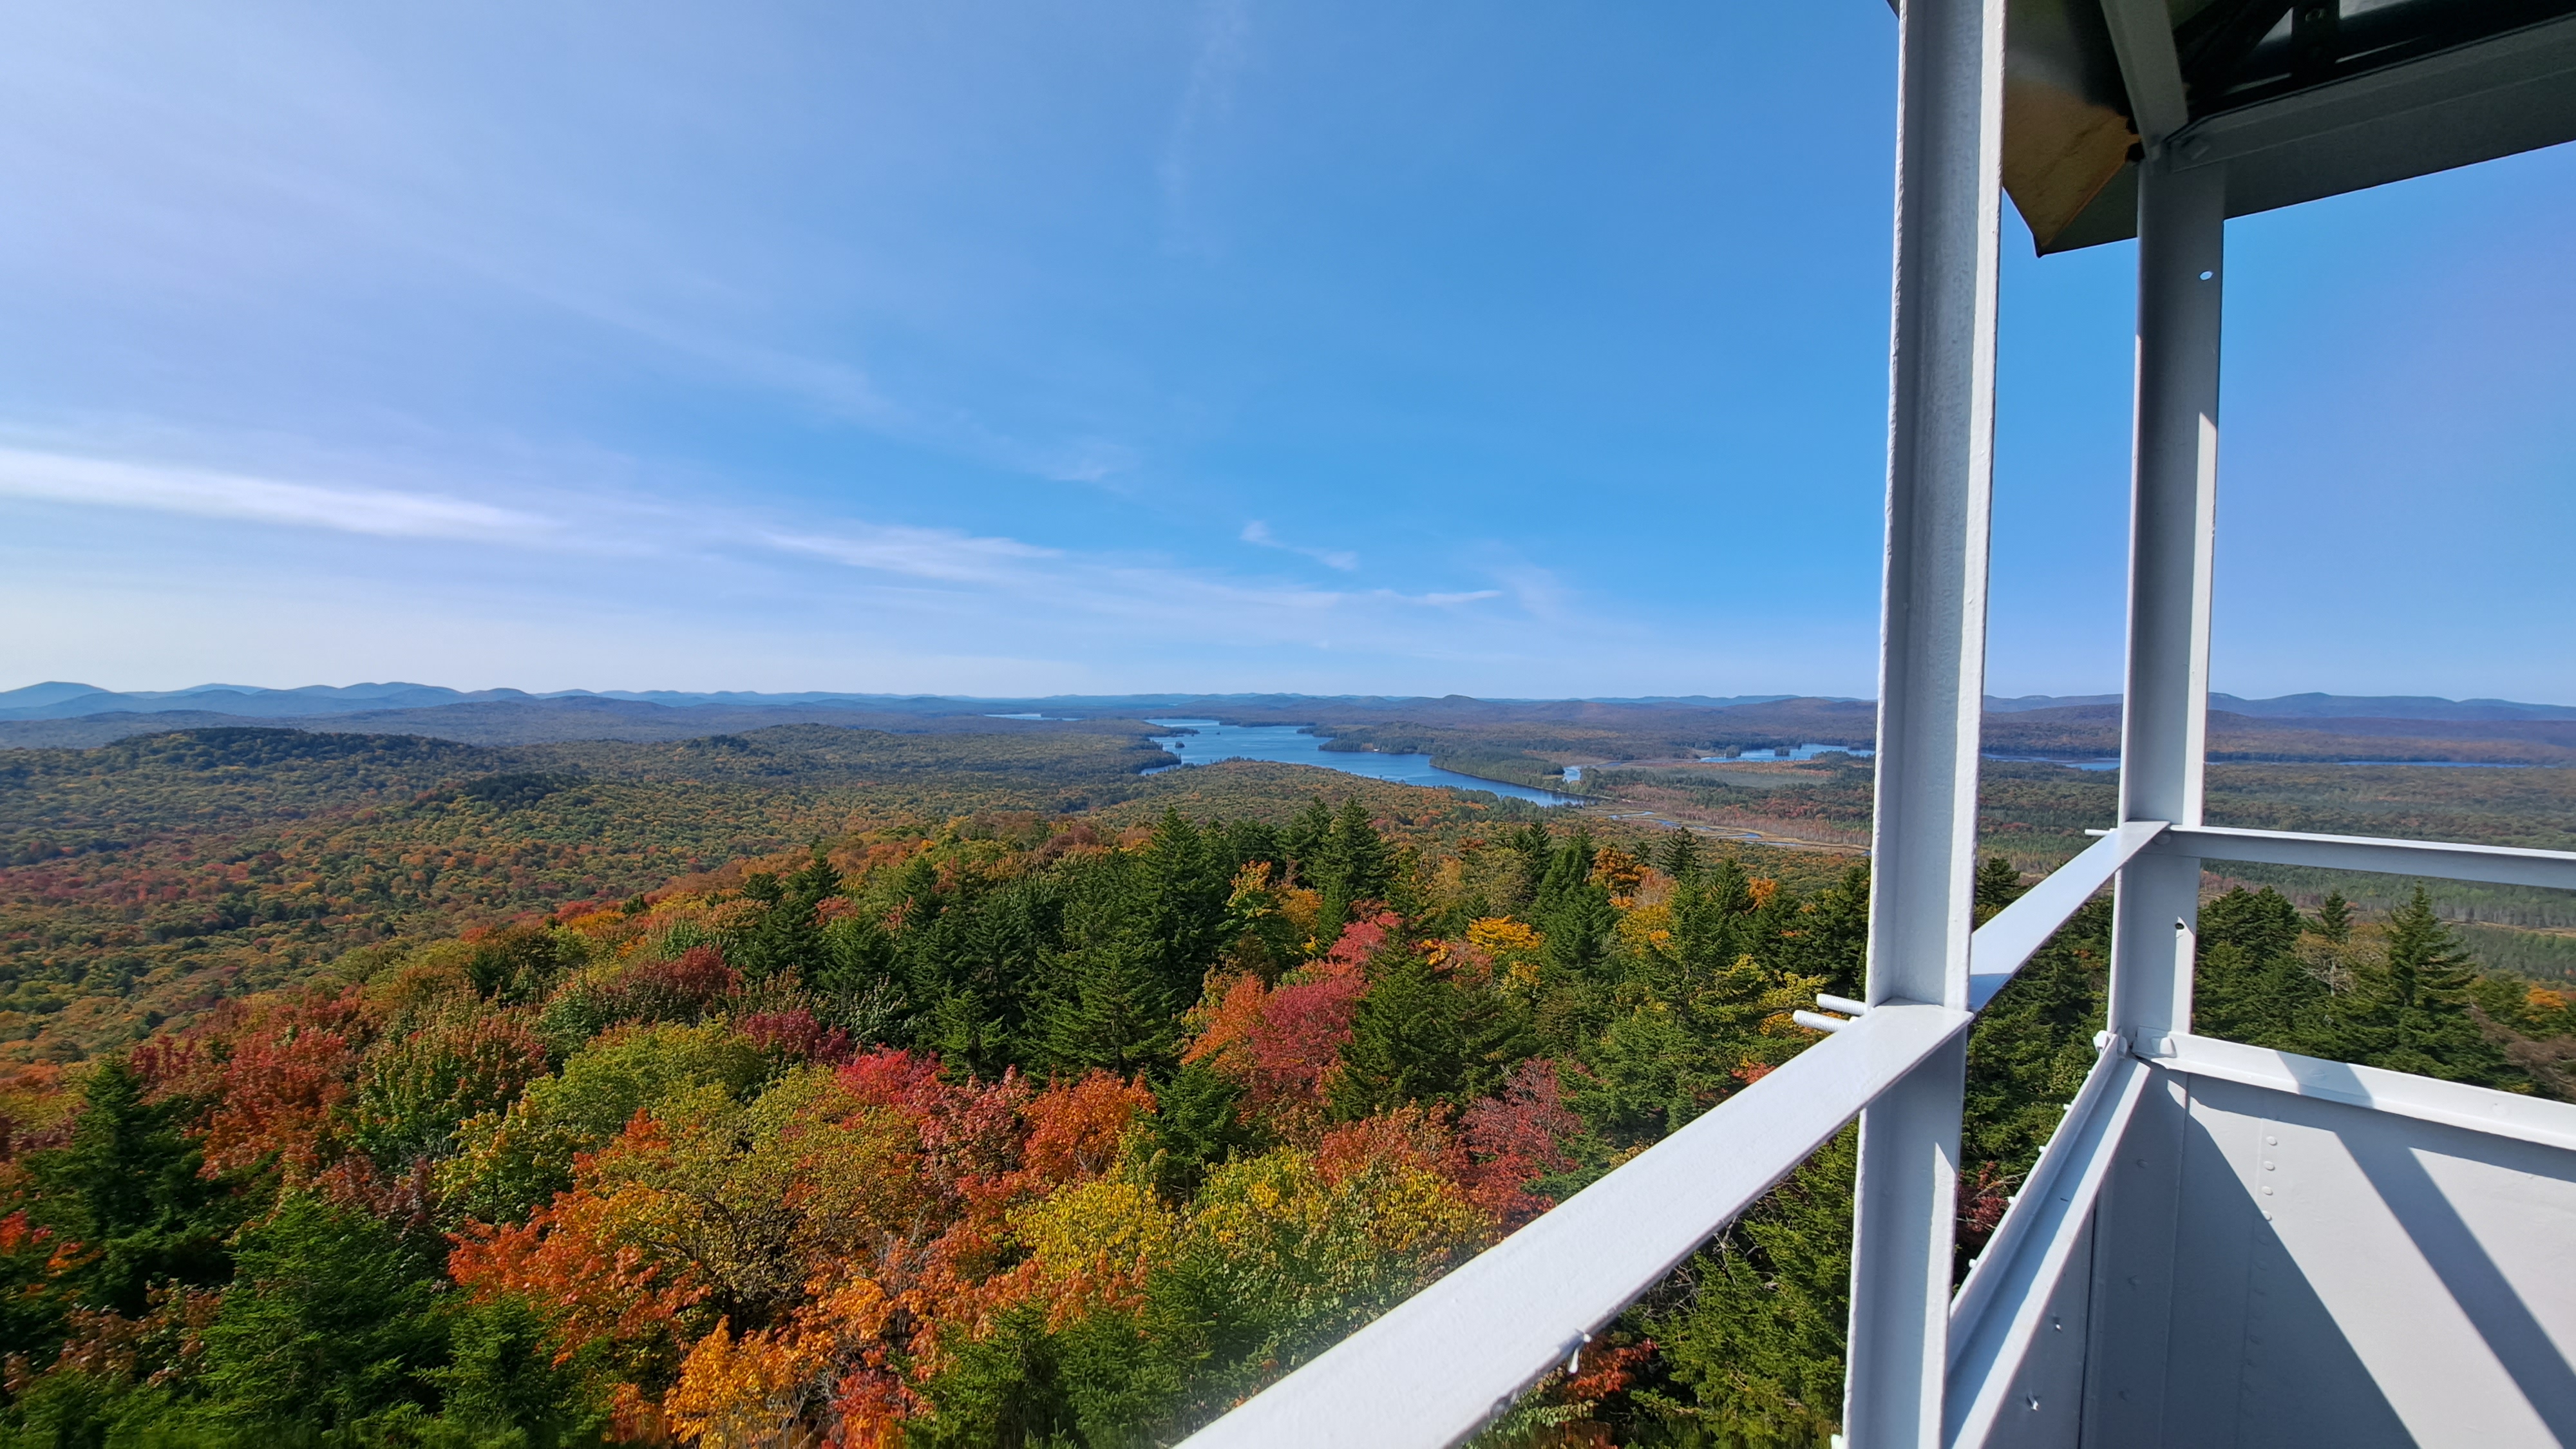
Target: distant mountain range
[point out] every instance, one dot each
(2303, 726)
(58, 700)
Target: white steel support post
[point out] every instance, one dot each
(2173, 512)
(2172, 527)
(1931, 689)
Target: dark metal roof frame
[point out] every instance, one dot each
(2300, 101)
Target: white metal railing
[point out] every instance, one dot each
(2430, 1254)
(2001, 947)
(2490, 864)
(1448, 1360)
(2002, 1306)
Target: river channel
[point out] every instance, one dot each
(1210, 742)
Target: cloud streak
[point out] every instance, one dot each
(966, 591)
(944, 555)
(381, 512)
(1224, 35)
(1258, 533)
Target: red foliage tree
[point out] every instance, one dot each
(1514, 1136)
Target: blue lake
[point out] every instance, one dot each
(1286, 745)
(1790, 752)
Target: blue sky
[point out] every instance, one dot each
(967, 347)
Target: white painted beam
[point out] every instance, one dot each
(2495, 864)
(2142, 36)
(2002, 945)
(1445, 1362)
(1932, 638)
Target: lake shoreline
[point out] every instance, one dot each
(1289, 744)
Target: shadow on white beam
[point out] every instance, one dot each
(2491, 864)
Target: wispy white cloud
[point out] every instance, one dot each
(845, 392)
(1052, 590)
(391, 513)
(300, 151)
(943, 554)
(1258, 532)
(962, 593)
(1224, 36)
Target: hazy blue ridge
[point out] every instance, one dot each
(59, 699)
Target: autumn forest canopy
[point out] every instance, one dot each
(813, 1085)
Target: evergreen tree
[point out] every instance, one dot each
(1535, 852)
(1646, 1073)
(1998, 885)
(1004, 1388)
(1832, 939)
(1182, 899)
(1420, 1037)
(329, 1328)
(1571, 911)
(1305, 840)
(1356, 865)
(787, 940)
(127, 1185)
(1110, 1008)
(2032, 1046)
(2262, 922)
(2334, 918)
(1729, 892)
(1681, 856)
(505, 1389)
(2248, 984)
(2415, 1012)
(857, 983)
(1758, 1340)
(1568, 872)
(1407, 1043)
(1242, 842)
(1706, 936)
(975, 961)
(1197, 1124)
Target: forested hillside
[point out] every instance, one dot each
(1014, 1129)
(147, 879)
(2037, 815)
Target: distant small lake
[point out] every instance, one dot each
(1287, 745)
(1790, 752)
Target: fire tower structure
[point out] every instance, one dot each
(2222, 1245)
